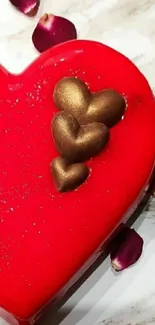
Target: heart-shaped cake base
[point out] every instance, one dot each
(46, 236)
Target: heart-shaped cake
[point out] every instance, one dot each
(48, 233)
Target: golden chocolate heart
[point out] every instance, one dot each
(72, 95)
(67, 176)
(77, 143)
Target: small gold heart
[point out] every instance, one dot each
(77, 143)
(72, 95)
(67, 177)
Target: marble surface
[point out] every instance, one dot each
(129, 26)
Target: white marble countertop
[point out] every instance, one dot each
(128, 26)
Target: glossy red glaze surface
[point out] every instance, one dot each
(45, 236)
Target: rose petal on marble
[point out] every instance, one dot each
(52, 30)
(27, 7)
(126, 249)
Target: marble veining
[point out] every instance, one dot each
(104, 298)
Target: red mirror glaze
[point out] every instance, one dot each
(45, 236)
